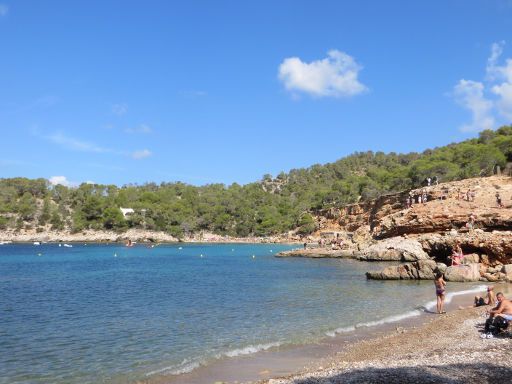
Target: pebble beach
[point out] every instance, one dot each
(446, 349)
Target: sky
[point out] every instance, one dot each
(119, 92)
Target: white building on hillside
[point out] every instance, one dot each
(126, 211)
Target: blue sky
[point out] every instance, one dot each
(120, 92)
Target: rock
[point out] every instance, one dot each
(490, 277)
(441, 267)
(394, 249)
(471, 258)
(507, 269)
(318, 253)
(420, 270)
(463, 273)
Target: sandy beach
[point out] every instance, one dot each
(446, 349)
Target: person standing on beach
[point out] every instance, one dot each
(440, 291)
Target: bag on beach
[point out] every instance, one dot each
(500, 323)
(495, 325)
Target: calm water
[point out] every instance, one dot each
(111, 314)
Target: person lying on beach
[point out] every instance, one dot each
(503, 309)
(440, 291)
(490, 298)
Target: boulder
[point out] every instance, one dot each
(394, 249)
(471, 258)
(490, 277)
(507, 270)
(463, 273)
(420, 270)
(441, 267)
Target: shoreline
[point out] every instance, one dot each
(135, 235)
(291, 364)
(442, 348)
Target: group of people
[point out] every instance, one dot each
(432, 181)
(499, 317)
(468, 196)
(419, 198)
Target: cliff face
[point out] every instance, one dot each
(482, 228)
(389, 216)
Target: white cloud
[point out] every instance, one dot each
(335, 76)
(143, 128)
(137, 155)
(76, 144)
(119, 109)
(4, 9)
(62, 180)
(489, 101)
(470, 95)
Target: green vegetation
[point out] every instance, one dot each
(268, 207)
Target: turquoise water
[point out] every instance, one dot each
(111, 314)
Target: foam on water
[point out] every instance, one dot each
(250, 349)
(185, 366)
(402, 316)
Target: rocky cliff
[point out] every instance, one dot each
(463, 212)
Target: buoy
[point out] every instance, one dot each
(60, 245)
(253, 256)
(180, 248)
(115, 254)
(201, 255)
(39, 254)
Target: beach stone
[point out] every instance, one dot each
(463, 273)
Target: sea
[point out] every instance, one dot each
(99, 313)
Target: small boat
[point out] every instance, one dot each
(37, 243)
(68, 246)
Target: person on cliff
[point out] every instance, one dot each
(498, 200)
(457, 255)
(440, 285)
(471, 223)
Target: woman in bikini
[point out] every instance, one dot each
(457, 255)
(440, 290)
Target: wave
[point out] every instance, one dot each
(188, 365)
(184, 367)
(337, 331)
(402, 316)
(249, 350)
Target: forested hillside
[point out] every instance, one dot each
(266, 207)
